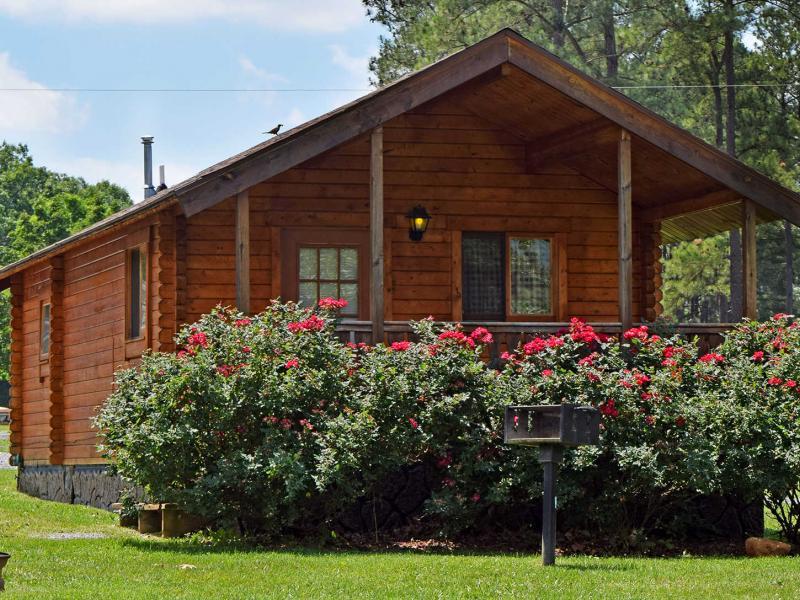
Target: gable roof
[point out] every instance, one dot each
(479, 63)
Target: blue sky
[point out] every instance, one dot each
(52, 45)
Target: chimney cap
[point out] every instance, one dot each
(147, 139)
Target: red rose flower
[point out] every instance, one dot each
(481, 335)
(292, 363)
(332, 303)
(401, 346)
(413, 422)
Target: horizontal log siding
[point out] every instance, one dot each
(35, 371)
(471, 176)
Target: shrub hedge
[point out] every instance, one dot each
(271, 422)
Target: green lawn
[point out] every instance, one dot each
(127, 565)
(4, 442)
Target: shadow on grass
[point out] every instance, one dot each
(187, 546)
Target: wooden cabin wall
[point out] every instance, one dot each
(471, 176)
(35, 443)
(88, 336)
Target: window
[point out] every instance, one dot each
(328, 272)
(508, 277)
(531, 274)
(483, 276)
(44, 330)
(137, 293)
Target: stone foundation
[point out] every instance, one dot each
(89, 485)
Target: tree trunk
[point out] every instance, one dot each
(730, 146)
(787, 233)
(557, 35)
(610, 43)
(713, 73)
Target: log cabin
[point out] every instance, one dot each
(499, 185)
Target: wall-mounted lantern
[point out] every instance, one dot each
(551, 428)
(418, 219)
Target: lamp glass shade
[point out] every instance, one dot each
(418, 222)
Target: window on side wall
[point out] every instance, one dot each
(508, 277)
(136, 325)
(44, 330)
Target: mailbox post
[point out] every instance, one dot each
(551, 428)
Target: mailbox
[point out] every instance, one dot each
(551, 427)
(561, 424)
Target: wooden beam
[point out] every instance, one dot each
(376, 233)
(243, 251)
(15, 369)
(749, 279)
(688, 205)
(275, 262)
(625, 230)
(181, 300)
(55, 361)
(456, 276)
(569, 142)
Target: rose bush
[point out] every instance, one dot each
(229, 425)
(272, 421)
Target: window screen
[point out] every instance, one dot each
(483, 276)
(327, 272)
(531, 275)
(137, 297)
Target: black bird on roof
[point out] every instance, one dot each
(274, 130)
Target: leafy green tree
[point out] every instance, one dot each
(39, 207)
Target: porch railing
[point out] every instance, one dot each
(507, 335)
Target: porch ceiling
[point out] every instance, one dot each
(559, 129)
(541, 115)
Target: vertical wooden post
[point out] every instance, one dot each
(56, 361)
(15, 368)
(180, 270)
(625, 230)
(243, 252)
(749, 276)
(456, 276)
(376, 233)
(164, 284)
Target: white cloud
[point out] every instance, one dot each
(294, 118)
(127, 174)
(41, 110)
(309, 15)
(250, 68)
(356, 66)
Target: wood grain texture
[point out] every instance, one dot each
(625, 229)
(16, 364)
(243, 251)
(749, 281)
(376, 234)
(56, 360)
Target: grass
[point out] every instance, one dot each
(127, 565)
(4, 442)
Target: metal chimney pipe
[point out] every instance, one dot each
(149, 190)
